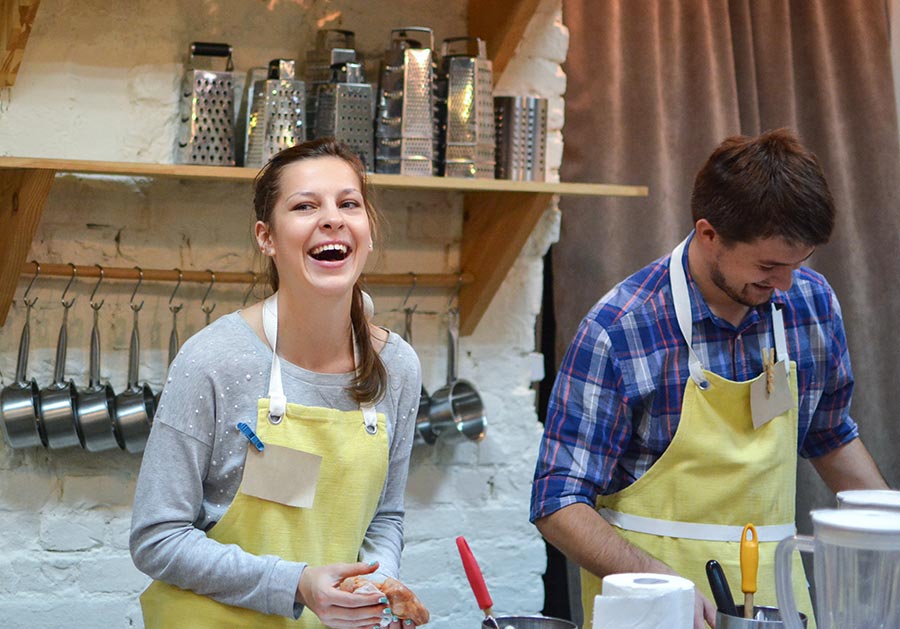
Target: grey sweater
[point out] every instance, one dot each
(194, 460)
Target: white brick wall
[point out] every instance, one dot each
(99, 82)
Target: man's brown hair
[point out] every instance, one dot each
(763, 187)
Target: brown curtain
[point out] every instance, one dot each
(655, 85)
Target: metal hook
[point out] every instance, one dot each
(137, 308)
(172, 308)
(415, 280)
(208, 309)
(250, 291)
(70, 303)
(37, 271)
(97, 306)
(454, 296)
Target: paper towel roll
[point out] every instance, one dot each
(644, 601)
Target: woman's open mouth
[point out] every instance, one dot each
(330, 252)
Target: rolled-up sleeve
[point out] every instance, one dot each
(587, 427)
(831, 425)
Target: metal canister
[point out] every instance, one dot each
(333, 47)
(344, 110)
(465, 106)
(277, 119)
(206, 131)
(521, 128)
(404, 122)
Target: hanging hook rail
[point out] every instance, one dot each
(172, 307)
(37, 271)
(95, 305)
(208, 309)
(137, 308)
(421, 280)
(71, 302)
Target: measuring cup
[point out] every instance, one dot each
(456, 408)
(96, 404)
(57, 401)
(20, 401)
(136, 404)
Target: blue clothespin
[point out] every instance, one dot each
(251, 436)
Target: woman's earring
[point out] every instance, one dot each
(371, 245)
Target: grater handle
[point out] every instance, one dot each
(450, 46)
(326, 37)
(208, 49)
(401, 34)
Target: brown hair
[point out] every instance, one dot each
(370, 382)
(763, 187)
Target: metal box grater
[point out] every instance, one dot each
(206, 130)
(333, 46)
(245, 109)
(344, 111)
(465, 105)
(521, 127)
(404, 122)
(277, 119)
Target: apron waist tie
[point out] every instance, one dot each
(694, 530)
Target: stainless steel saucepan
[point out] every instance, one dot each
(20, 400)
(456, 408)
(96, 406)
(136, 404)
(57, 403)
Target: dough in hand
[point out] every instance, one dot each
(402, 601)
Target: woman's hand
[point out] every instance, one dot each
(318, 590)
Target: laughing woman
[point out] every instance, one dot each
(278, 458)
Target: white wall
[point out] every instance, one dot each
(99, 81)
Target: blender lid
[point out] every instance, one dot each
(870, 498)
(858, 528)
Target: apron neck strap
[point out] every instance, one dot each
(277, 399)
(682, 298)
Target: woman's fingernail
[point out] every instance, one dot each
(383, 599)
(372, 563)
(394, 619)
(407, 622)
(387, 611)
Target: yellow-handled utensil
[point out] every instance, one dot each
(749, 567)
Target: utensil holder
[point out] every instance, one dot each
(521, 131)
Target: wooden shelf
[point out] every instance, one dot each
(499, 215)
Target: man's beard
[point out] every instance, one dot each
(738, 296)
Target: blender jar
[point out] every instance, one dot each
(856, 556)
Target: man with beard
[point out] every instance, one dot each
(690, 388)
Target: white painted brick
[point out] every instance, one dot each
(88, 492)
(40, 573)
(107, 573)
(63, 532)
(25, 489)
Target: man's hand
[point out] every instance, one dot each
(318, 590)
(704, 611)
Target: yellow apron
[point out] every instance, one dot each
(351, 477)
(718, 474)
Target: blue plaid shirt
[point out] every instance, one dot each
(616, 403)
